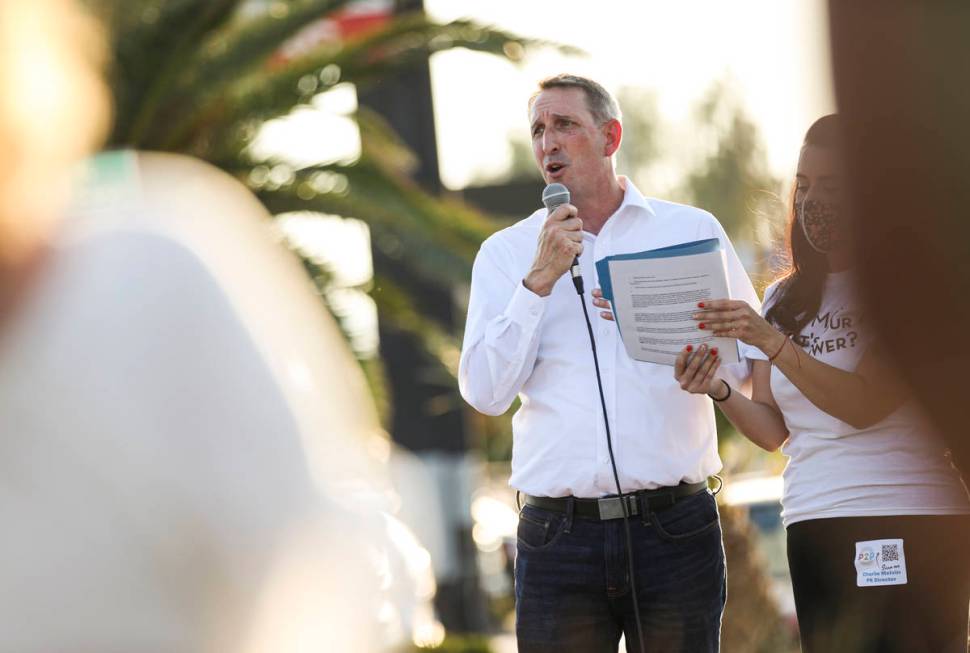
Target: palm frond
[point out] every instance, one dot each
(389, 203)
(248, 44)
(397, 308)
(153, 42)
(273, 92)
(242, 49)
(361, 61)
(379, 142)
(397, 232)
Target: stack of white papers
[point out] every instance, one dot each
(655, 293)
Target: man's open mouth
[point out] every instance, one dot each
(553, 168)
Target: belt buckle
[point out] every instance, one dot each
(612, 508)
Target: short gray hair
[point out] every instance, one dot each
(598, 100)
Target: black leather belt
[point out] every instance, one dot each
(612, 508)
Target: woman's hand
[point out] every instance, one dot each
(599, 302)
(731, 318)
(694, 371)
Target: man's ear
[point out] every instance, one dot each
(613, 131)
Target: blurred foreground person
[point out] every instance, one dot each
(183, 427)
(903, 89)
(51, 58)
(877, 517)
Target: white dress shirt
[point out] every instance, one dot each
(518, 343)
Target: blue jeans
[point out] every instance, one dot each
(572, 589)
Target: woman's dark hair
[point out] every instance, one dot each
(798, 294)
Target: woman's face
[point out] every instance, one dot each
(818, 199)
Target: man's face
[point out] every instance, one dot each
(568, 145)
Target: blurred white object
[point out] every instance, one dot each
(494, 532)
(760, 496)
(184, 431)
(749, 489)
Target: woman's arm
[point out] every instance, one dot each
(757, 418)
(860, 398)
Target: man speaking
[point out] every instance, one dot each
(526, 335)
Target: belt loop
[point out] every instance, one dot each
(570, 509)
(518, 501)
(672, 497)
(644, 508)
(720, 484)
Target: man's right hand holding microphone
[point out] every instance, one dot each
(560, 242)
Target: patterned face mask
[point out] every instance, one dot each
(822, 224)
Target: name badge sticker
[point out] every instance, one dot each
(880, 562)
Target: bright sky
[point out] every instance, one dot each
(776, 51)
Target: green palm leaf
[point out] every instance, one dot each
(398, 228)
(238, 50)
(254, 96)
(153, 42)
(395, 305)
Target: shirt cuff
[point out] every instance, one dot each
(526, 308)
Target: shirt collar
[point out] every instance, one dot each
(632, 197)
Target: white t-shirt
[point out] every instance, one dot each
(897, 466)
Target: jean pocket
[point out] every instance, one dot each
(538, 528)
(687, 518)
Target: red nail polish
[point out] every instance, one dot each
(700, 326)
(714, 351)
(700, 304)
(690, 348)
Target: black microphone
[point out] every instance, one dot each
(554, 196)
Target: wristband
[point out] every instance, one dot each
(725, 397)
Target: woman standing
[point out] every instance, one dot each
(878, 521)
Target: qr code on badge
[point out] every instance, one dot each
(890, 553)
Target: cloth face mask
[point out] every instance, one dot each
(821, 222)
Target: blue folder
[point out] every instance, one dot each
(682, 249)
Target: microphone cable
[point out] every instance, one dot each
(578, 282)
